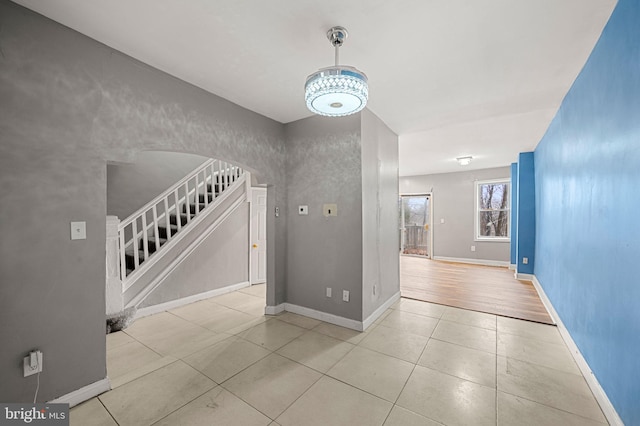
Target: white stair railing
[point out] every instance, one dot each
(142, 234)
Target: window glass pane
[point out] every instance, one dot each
(494, 223)
(494, 196)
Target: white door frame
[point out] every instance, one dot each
(430, 196)
(253, 238)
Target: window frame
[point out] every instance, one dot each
(476, 210)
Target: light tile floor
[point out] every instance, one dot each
(220, 362)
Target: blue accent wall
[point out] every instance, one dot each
(526, 214)
(514, 213)
(588, 211)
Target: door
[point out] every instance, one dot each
(415, 225)
(258, 257)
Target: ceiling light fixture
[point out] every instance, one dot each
(463, 161)
(339, 90)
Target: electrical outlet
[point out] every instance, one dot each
(345, 295)
(525, 260)
(442, 220)
(328, 291)
(32, 363)
(473, 248)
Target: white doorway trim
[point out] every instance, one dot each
(258, 236)
(431, 253)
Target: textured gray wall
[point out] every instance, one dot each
(131, 186)
(324, 167)
(380, 248)
(67, 106)
(453, 201)
(221, 260)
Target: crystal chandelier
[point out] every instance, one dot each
(339, 90)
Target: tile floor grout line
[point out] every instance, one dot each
(188, 402)
(556, 408)
(543, 366)
(463, 346)
(107, 410)
(146, 346)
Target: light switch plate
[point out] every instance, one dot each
(303, 210)
(78, 230)
(330, 210)
(345, 295)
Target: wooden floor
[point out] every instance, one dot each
(480, 288)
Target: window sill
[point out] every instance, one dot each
(492, 240)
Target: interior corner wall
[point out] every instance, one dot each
(514, 214)
(587, 170)
(380, 245)
(324, 167)
(131, 186)
(526, 214)
(69, 105)
(454, 201)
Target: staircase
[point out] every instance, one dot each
(145, 235)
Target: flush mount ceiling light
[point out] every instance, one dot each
(339, 90)
(463, 161)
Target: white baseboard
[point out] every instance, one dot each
(84, 393)
(473, 261)
(274, 310)
(323, 316)
(524, 277)
(603, 400)
(161, 307)
(376, 314)
(512, 266)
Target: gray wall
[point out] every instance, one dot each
(131, 186)
(222, 259)
(380, 261)
(324, 166)
(453, 200)
(67, 106)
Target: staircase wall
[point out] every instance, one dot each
(190, 235)
(221, 260)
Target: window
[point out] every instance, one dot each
(492, 210)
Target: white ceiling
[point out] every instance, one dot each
(450, 77)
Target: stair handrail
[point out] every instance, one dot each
(172, 200)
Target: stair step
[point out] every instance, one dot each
(201, 198)
(162, 230)
(130, 260)
(174, 220)
(216, 187)
(192, 208)
(152, 242)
